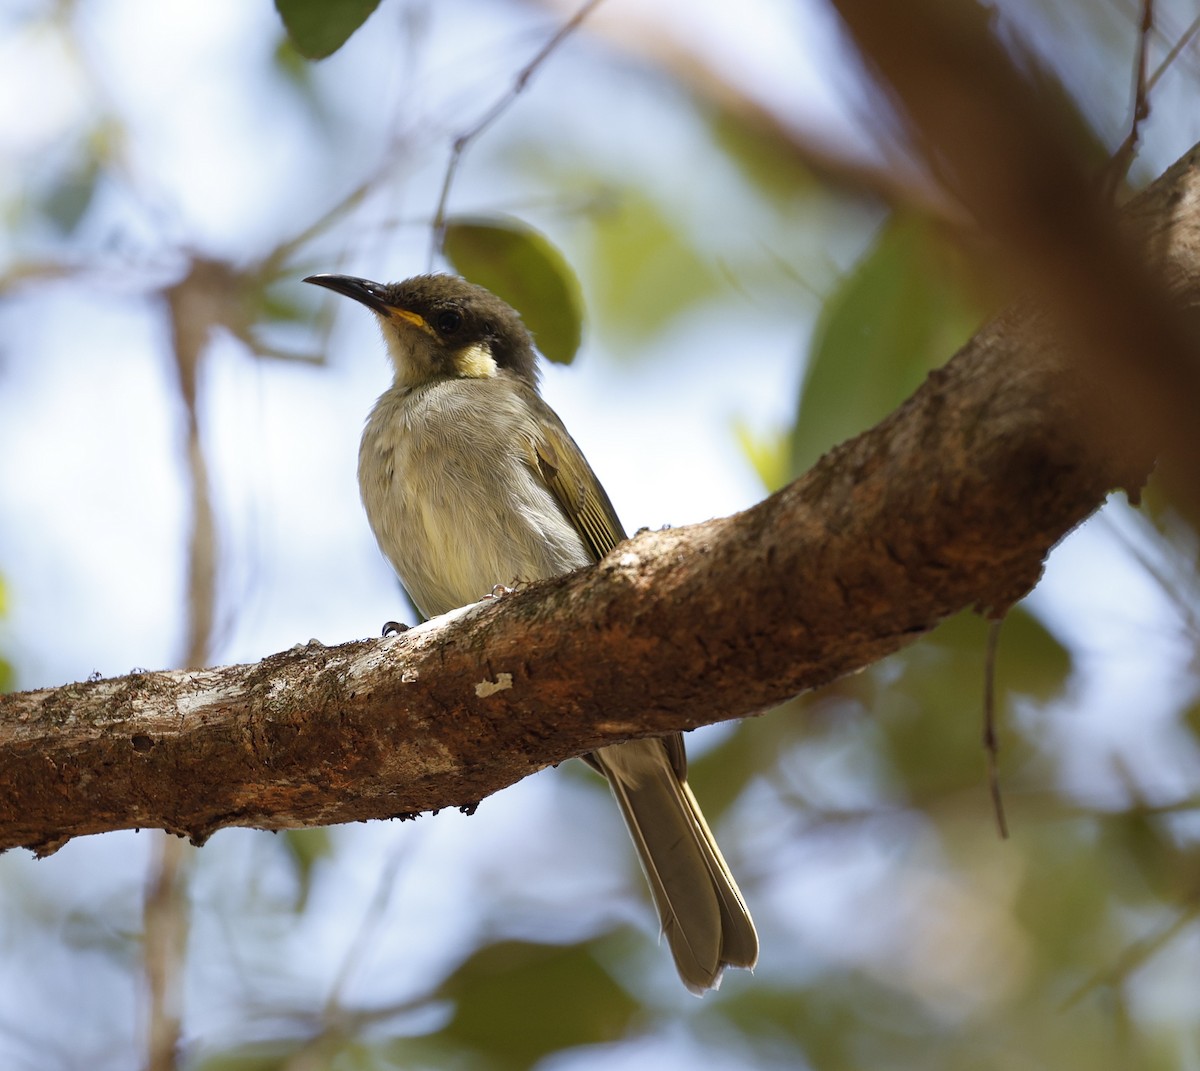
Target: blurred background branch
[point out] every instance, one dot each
(777, 230)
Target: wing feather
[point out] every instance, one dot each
(570, 479)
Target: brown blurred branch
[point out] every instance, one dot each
(1009, 150)
(165, 919)
(805, 148)
(952, 501)
(197, 304)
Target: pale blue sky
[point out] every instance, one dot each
(94, 522)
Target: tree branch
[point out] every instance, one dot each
(952, 501)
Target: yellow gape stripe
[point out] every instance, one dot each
(475, 361)
(411, 318)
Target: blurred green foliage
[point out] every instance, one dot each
(516, 1002)
(930, 702)
(762, 154)
(644, 268)
(901, 312)
(67, 200)
(306, 848)
(899, 933)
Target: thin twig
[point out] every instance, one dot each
(1122, 159)
(1176, 577)
(501, 105)
(365, 936)
(1173, 55)
(991, 743)
(273, 264)
(1134, 956)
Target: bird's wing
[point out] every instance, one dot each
(568, 476)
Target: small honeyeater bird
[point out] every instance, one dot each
(470, 481)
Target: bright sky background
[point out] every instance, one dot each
(93, 520)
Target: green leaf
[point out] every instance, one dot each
(770, 162)
(823, 1020)
(767, 451)
(1030, 659)
(902, 311)
(520, 265)
(318, 28)
(516, 1002)
(306, 848)
(1191, 719)
(68, 200)
(646, 269)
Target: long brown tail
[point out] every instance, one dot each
(699, 905)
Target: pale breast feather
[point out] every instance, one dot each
(451, 499)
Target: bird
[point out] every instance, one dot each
(471, 482)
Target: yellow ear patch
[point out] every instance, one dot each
(475, 361)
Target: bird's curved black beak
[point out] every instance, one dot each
(362, 290)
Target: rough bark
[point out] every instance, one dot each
(953, 501)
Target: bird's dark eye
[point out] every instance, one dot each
(448, 321)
